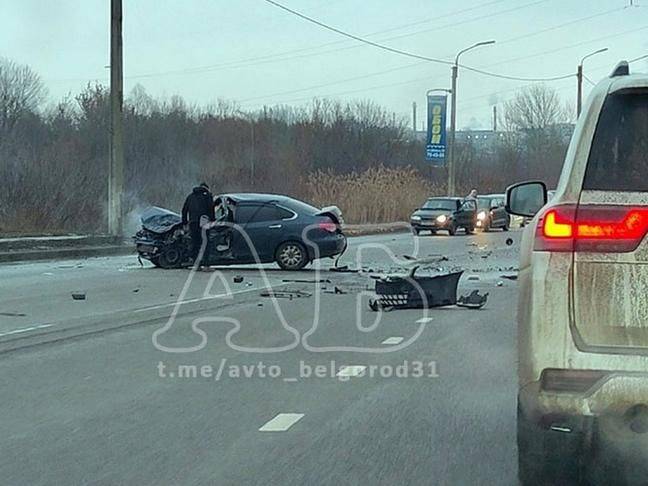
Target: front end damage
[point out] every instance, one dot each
(162, 240)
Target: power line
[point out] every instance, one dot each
(355, 37)
(405, 53)
(346, 80)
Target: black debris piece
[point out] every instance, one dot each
(473, 301)
(78, 295)
(136, 290)
(336, 290)
(509, 241)
(411, 292)
(285, 294)
(12, 314)
(510, 277)
(237, 279)
(343, 269)
(409, 257)
(296, 280)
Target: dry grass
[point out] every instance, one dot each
(377, 195)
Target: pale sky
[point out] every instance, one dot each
(251, 52)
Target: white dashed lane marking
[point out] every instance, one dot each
(393, 340)
(281, 422)
(348, 371)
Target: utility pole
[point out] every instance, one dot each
(414, 117)
(579, 90)
(494, 118)
(453, 118)
(579, 78)
(116, 151)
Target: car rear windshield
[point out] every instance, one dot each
(447, 204)
(484, 203)
(618, 160)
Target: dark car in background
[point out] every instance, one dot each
(274, 224)
(491, 212)
(445, 214)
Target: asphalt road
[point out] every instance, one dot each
(169, 377)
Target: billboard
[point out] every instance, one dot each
(436, 142)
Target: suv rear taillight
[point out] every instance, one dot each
(591, 228)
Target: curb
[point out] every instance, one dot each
(65, 253)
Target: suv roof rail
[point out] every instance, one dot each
(621, 69)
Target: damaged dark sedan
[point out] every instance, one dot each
(249, 228)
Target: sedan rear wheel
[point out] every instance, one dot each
(291, 256)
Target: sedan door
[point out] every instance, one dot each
(263, 224)
(500, 216)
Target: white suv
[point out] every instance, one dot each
(583, 301)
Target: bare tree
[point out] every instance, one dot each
(536, 107)
(21, 92)
(536, 115)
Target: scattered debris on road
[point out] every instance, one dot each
(237, 278)
(12, 314)
(409, 257)
(296, 280)
(473, 277)
(500, 283)
(473, 301)
(510, 277)
(285, 294)
(336, 290)
(397, 292)
(343, 269)
(78, 296)
(509, 241)
(136, 290)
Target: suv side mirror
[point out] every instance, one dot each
(526, 198)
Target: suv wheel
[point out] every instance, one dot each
(291, 256)
(452, 229)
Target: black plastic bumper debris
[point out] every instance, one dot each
(412, 292)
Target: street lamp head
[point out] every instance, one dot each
(478, 44)
(593, 54)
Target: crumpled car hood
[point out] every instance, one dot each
(159, 220)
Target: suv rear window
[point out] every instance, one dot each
(618, 160)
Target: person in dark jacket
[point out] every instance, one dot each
(198, 206)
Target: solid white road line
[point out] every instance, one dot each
(25, 329)
(199, 299)
(353, 370)
(423, 320)
(393, 340)
(281, 422)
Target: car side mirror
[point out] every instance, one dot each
(526, 198)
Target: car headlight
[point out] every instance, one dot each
(481, 216)
(416, 218)
(442, 219)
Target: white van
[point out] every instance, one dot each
(583, 300)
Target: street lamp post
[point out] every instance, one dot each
(453, 116)
(579, 76)
(250, 120)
